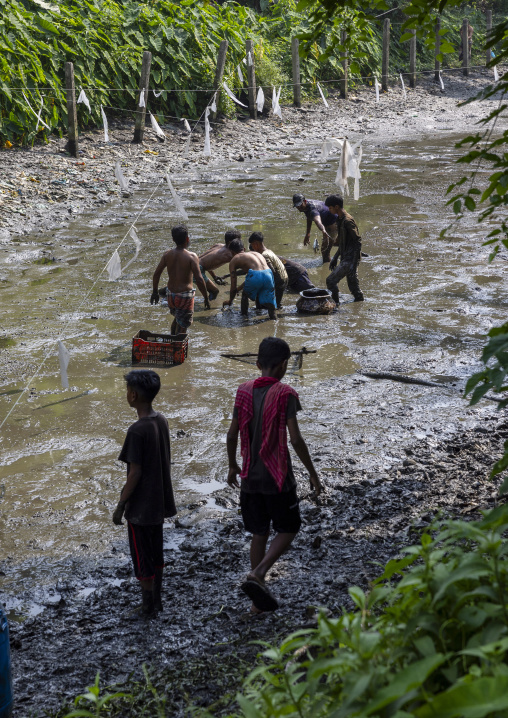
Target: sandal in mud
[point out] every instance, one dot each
(259, 595)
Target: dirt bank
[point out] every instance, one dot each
(44, 188)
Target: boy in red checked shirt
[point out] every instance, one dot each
(264, 410)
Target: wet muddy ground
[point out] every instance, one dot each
(390, 454)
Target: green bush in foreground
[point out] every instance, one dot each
(429, 640)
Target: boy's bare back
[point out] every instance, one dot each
(181, 266)
(215, 257)
(248, 260)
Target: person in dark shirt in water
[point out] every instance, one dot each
(147, 497)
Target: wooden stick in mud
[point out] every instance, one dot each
(72, 117)
(295, 56)
(465, 47)
(386, 54)
(143, 85)
(412, 380)
(251, 79)
(437, 64)
(299, 352)
(488, 23)
(412, 60)
(219, 72)
(343, 82)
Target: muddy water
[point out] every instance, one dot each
(429, 303)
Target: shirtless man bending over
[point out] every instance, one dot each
(182, 266)
(214, 258)
(258, 284)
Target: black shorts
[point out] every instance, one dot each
(282, 510)
(146, 549)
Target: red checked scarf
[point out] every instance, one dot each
(273, 450)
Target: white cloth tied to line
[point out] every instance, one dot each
(186, 125)
(156, 127)
(137, 244)
(207, 150)
(176, 199)
(186, 147)
(35, 113)
(441, 81)
(105, 123)
(232, 96)
(328, 145)
(157, 94)
(63, 357)
(376, 83)
(403, 86)
(114, 267)
(124, 185)
(322, 96)
(84, 99)
(249, 59)
(496, 74)
(260, 100)
(142, 98)
(275, 102)
(240, 74)
(213, 103)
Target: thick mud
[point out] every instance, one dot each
(391, 455)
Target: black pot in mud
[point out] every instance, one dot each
(315, 301)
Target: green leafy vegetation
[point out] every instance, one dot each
(429, 639)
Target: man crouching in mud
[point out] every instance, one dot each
(264, 407)
(258, 285)
(182, 265)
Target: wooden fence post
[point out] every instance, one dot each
(251, 78)
(437, 63)
(219, 71)
(297, 88)
(488, 23)
(412, 60)
(344, 82)
(143, 85)
(72, 117)
(465, 47)
(386, 54)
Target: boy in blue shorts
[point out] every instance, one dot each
(147, 497)
(258, 285)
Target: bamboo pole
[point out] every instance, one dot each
(488, 22)
(344, 82)
(437, 63)
(144, 83)
(465, 47)
(219, 71)
(72, 117)
(251, 78)
(295, 56)
(386, 54)
(412, 60)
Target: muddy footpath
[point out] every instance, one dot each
(392, 456)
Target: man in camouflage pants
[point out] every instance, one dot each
(349, 250)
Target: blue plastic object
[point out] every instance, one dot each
(5, 668)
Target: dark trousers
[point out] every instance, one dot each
(348, 268)
(280, 288)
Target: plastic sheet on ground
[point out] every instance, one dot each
(114, 267)
(124, 185)
(105, 123)
(176, 199)
(84, 99)
(322, 96)
(63, 357)
(156, 127)
(137, 244)
(232, 96)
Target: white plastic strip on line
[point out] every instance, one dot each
(105, 122)
(137, 244)
(39, 115)
(342, 171)
(249, 59)
(496, 74)
(232, 96)
(34, 112)
(403, 86)
(327, 146)
(114, 267)
(157, 94)
(260, 100)
(83, 98)
(275, 102)
(213, 103)
(124, 185)
(376, 83)
(207, 150)
(186, 125)
(63, 357)
(322, 96)
(142, 98)
(240, 74)
(156, 127)
(441, 81)
(176, 199)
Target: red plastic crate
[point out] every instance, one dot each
(159, 349)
